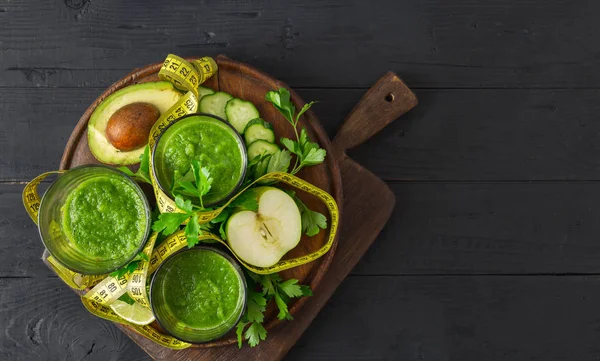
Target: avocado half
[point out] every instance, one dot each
(161, 94)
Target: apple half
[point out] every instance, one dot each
(261, 238)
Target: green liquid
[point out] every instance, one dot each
(105, 217)
(209, 141)
(202, 290)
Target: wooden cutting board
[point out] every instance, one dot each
(368, 204)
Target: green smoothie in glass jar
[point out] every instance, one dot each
(198, 295)
(210, 141)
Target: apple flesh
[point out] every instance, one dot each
(261, 238)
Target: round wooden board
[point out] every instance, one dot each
(245, 82)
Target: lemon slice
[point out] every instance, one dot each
(135, 313)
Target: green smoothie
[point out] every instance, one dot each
(212, 143)
(105, 217)
(198, 295)
(202, 289)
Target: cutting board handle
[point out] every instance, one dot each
(384, 102)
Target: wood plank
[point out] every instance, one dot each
(425, 318)
(42, 319)
(453, 134)
(465, 43)
(489, 228)
(459, 228)
(457, 318)
(35, 126)
(20, 243)
(490, 135)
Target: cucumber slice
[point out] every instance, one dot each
(261, 121)
(261, 147)
(204, 91)
(258, 129)
(239, 113)
(215, 104)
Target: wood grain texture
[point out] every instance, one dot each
(457, 318)
(20, 243)
(435, 43)
(458, 135)
(454, 135)
(387, 100)
(531, 151)
(489, 228)
(42, 319)
(409, 318)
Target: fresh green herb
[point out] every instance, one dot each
(131, 266)
(221, 220)
(307, 153)
(273, 288)
(195, 183)
(222, 232)
(168, 223)
(279, 161)
(192, 231)
(267, 163)
(246, 200)
(254, 316)
(198, 186)
(312, 222)
(256, 168)
(143, 173)
(282, 291)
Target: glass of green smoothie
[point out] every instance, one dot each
(211, 141)
(94, 219)
(198, 294)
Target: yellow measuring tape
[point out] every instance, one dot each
(105, 289)
(147, 331)
(184, 76)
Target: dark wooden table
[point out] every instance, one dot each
(493, 251)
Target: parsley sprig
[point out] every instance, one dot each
(246, 201)
(267, 163)
(312, 222)
(307, 153)
(271, 287)
(196, 183)
(143, 173)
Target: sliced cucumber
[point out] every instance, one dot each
(239, 113)
(258, 121)
(261, 147)
(204, 91)
(215, 104)
(258, 129)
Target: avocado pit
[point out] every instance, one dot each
(129, 127)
